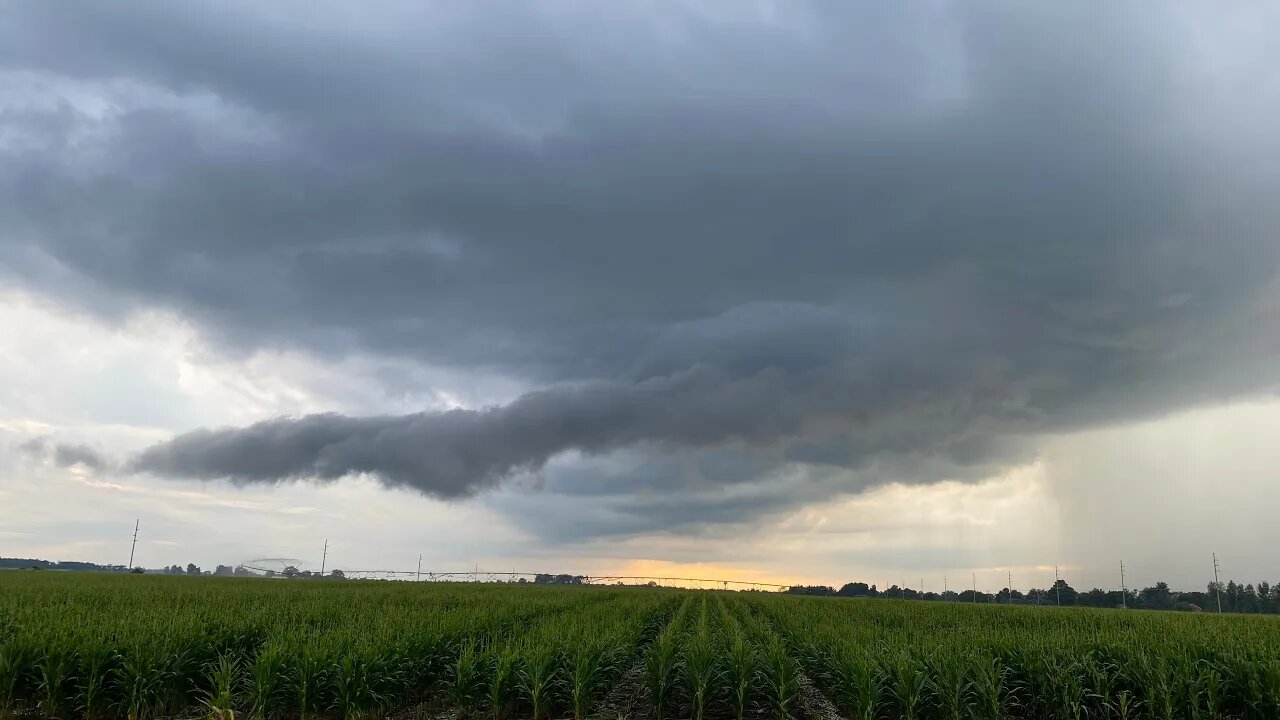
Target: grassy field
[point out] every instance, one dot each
(108, 646)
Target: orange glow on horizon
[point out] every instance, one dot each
(644, 567)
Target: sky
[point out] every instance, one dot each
(775, 291)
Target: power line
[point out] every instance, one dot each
(325, 556)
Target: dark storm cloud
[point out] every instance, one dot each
(64, 455)
(835, 235)
(461, 451)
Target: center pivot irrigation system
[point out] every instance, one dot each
(515, 577)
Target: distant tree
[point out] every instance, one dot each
(1249, 601)
(338, 575)
(242, 571)
(136, 571)
(290, 571)
(192, 569)
(1096, 597)
(1231, 597)
(546, 579)
(1007, 596)
(1061, 589)
(1266, 597)
(855, 589)
(1157, 597)
(224, 571)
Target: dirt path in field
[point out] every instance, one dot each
(422, 711)
(813, 704)
(629, 697)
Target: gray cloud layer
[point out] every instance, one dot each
(833, 233)
(64, 454)
(460, 451)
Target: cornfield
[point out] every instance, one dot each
(102, 647)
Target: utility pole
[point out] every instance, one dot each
(1056, 586)
(975, 588)
(921, 588)
(1217, 586)
(324, 557)
(1009, 600)
(138, 521)
(419, 578)
(1124, 592)
(944, 587)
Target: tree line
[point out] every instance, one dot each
(290, 571)
(1235, 597)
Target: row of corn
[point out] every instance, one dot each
(958, 661)
(718, 660)
(103, 646)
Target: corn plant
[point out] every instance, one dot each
(741, 674)
(1100, 674)
(467, 684)
(54, 673)
(307, 681)
(1160, 684)
(184, 670)
(953, 687)
(354, 693)
(855, 681)
(537, 677)
(223, 679)
(781, 677)
(267, 682)
(1210, 688)
(140, 681)
(589, 662)
(1127, 706)
(94, 676)
(1263, 689)
(992, 691)
(909, 686)
(503, 664)
(1067, 689)
(16, 658)
(661, 664)
(701, 671)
